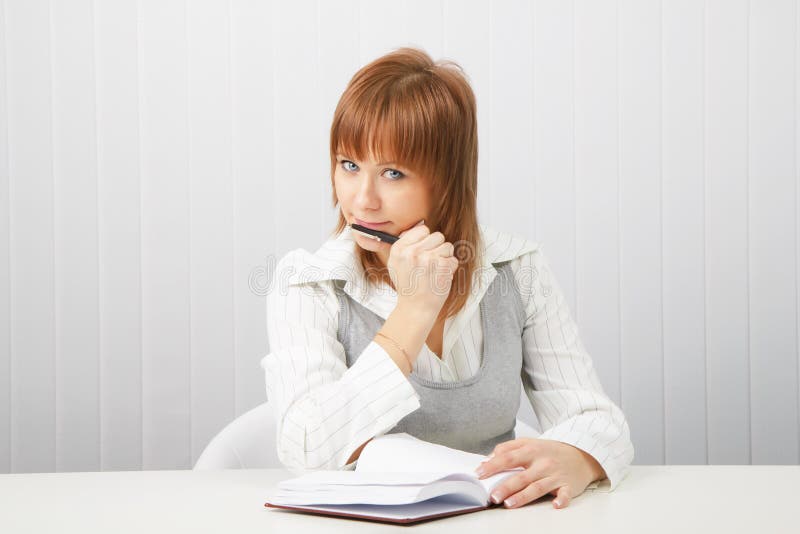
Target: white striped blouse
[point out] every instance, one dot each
(325, 410)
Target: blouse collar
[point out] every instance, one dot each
(336, 259)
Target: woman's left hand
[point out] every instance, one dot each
(550, 467)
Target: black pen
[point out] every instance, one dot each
(377, 235)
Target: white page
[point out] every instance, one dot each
(358, 478)
(377, 495)
(380, 494)
(403, 453)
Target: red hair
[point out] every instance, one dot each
(403, 107)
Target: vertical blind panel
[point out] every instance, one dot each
(5, 260)
(640, 233)
(423, 25)
(211, 221)
(378, 28)
(683, 209)
(254, 229)
(466, 34)
(773, 290)
(596, 188)
(727, 243)
(299, 190)
(552, 162)
(797, 198)
(119, 225)
(30, 154)
(511, 100)
(318, 139)
(76, 246)
(166, 275)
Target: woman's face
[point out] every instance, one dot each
(380, 192)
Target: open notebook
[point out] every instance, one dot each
(399, 479)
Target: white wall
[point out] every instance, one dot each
(154, 154)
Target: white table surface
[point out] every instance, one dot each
(673, 499)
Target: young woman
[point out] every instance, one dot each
(434, 334)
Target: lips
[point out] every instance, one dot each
(374, 226)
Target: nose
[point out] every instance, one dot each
(367, 197)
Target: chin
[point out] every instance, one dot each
(366, 243)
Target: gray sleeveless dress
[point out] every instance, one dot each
(474, 414)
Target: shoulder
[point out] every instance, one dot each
(297, 297)
(297, 277)
(294, 267)
(525, 257)
(502, 247)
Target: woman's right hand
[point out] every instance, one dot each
(421, 266)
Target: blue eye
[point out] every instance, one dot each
(344, 164)
(393, 175)
(396, 177)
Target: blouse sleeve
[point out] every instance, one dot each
(559, 378)
(323, 409)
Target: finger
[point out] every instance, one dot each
(502, 447)
(445, 250)
(453, 263)
(507, 458)
(419, 228)
(515, 484)
(509, 445)
(531, 492)
(450, 265)
(562, 497)
(486, 469)
(430, 242)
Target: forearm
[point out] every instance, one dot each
(409, 327)
(322, 423)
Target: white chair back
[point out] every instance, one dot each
(246, 442)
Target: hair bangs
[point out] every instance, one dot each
(391, 128)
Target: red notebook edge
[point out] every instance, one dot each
(378, 518)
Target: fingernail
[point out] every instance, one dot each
(479, 471)
(510, 502)
(558, 503)
(496, 498)
(420, 223)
